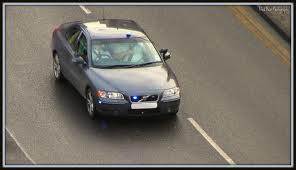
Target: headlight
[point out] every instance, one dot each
(173, 92)
(109, 95)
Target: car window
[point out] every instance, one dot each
(72, 38)
(69, 31)
(82, 47)
(134, 51)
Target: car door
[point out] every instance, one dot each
(79, 70)
(69, 53)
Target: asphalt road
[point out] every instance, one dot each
(14, 154)
(233, 86)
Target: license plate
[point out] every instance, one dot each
(150, 105)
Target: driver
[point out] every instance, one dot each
(100, 51)
(121, 52)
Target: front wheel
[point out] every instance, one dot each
(174, 113)
(90, 105)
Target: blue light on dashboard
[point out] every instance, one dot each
(128, 35)
(135, 97)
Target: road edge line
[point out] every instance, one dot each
(260, 32)
(19, 145)
(87, 11)
(211, 141)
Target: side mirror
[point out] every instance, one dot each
(162, 51)
(165, 54)
(78, 59)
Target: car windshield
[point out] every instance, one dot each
(123, 52)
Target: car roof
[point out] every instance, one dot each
(113, 28)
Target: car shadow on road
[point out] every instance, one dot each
(72, 107)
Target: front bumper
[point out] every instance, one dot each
(124, 109)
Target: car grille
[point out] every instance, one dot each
(144, 98)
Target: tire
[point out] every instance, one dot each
(174, 114)
(90, 106)
(57, 71)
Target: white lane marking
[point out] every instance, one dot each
(87, 11)
(19, 145)
(211, 141)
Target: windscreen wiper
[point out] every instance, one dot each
(130, 65)
(144, 64)
(115, 66)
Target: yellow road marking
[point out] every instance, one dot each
(261, 28)
(261, 33)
